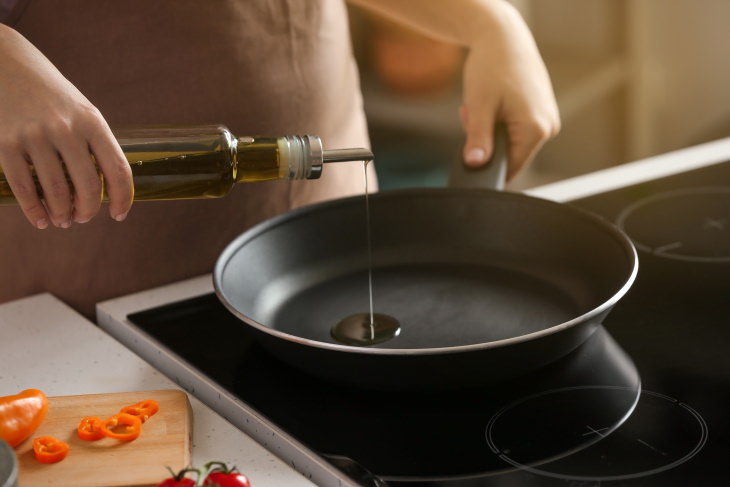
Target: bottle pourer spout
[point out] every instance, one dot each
(345, 155)
(335, 155)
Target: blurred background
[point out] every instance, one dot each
(633, 78)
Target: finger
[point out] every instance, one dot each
(20, 179)
(526, 140)
(522, 151)
(57, 195)
(479, 137)
(87, 185)
(116, 170)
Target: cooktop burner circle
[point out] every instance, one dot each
(660, 434)
(690, 224)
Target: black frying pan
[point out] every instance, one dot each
(486, 285)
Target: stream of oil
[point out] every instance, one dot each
(370, 247)
(363, 329)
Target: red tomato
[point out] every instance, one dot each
(173, 482)
(214, 474)
(179, 479)
(229, 479)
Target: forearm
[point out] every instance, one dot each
(504, 76)
(49, 130)
(462, 22)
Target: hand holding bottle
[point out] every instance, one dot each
(48, 127)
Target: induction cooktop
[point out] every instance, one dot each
(644, 402)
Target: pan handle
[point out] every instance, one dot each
(492, 175)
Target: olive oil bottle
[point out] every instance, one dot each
(184, 162)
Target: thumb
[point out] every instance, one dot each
(479, 138)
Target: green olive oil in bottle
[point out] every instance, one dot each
(187, 162)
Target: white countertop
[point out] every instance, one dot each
(46, 345)
(636, 172)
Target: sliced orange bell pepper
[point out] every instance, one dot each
(48, 449)
(89, 429)
(122, 426)
(143, 409)
(21, 414)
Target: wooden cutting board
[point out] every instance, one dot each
(165, 441)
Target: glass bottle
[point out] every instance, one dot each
(184, 162)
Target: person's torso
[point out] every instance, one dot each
(267, 67)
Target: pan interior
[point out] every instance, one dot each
(437, 305)
(453, 268)
(365, 329)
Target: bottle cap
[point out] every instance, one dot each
(301, 156)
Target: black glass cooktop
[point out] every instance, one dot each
(644, 402)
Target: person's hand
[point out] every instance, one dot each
(49, 128)
(506, 80)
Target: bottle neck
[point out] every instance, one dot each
(288, 157)
(300, 156)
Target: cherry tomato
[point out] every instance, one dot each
(220, 475)
(220, 479)
(213, 474)
(179, 479)
(173, 482)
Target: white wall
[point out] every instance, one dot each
(683, 70)
(633, 77)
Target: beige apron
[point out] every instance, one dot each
(270, 67)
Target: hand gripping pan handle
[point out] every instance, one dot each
(492, 175)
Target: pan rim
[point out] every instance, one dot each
(610, 229)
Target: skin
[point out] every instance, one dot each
(45, 121)
(505, 78)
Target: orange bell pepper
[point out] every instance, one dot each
(21, 414)
(48, 449)
(122, 426)
(89, 429)
(143, 409)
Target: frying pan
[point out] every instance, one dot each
(486, 285)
